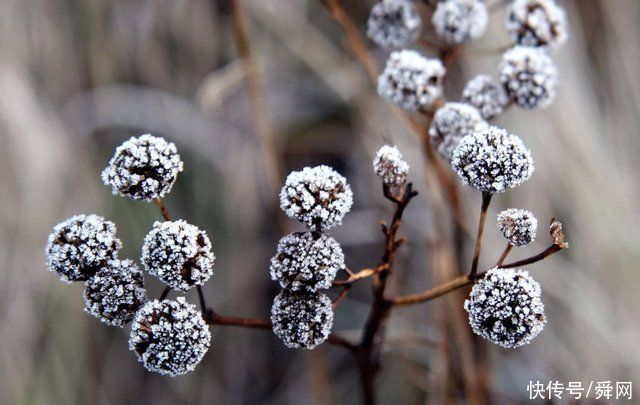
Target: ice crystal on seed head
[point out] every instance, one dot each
(389, 166)
(410, 80)
(115, 293)
(505, 307)
(537, 23)
(518, 226)
(179, 254)
(529, 76)
(486, 95)
(451, 123)
(306, 261)
(393, 23)
(457, 21)
(80, 246)
(143, 168)
(317, 196)
(492, 160)
(301, 319)
(169, 337)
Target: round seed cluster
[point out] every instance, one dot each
(306, 261)
(143, 168)
(537, 23)
(458, 21)
(79, 246)
(317, 196)
(302, 319)
(179, 254)
(170, 337)
(115, 293)
(529, 76)
(389, 166)
(505, 308)
(486, 95)
(393, 23)
(451, 123)
(492, 160)
(518, 226)
(410, 80)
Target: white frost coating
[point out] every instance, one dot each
(451, 123)
(317, 196)
(505, 308)
(537, 23)
(179, 254)
(302, 320)
(306, 261)
(143, 168)
(458, 21)
(80, 245)
(394, 23)
(410, 80)
(170, 337)
(518, 226)
(529, 76)
(115, 293)
(390, 167)
(492, 160)
(486, 95)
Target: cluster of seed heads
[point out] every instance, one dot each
(390, 167)
(505, 307)
(307, 262)
(169, 336)
(451, 123)
(394, 23)
(458, 21)
(518, 226)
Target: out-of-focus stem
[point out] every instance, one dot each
(486, 200)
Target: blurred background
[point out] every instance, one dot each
(77, 78)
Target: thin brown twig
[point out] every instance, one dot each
(536, 258)
(201, 300)
(364, 273)
(213, 318)
(262, 119)
(486, 200)
(163, 208)
(504, 254)
(341, 296)
(165, 293)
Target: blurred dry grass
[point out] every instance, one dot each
(78, 77)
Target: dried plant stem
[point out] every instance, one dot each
(364, 273)
(262, 119)
(504, 254)
(434, 292)
(372, 336)
(201, 300)
(486, 200)
(163, 209)
(165, 293)
(542, 255)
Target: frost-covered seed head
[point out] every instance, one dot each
(518, 226)
(306, 261)
(143, 168)
(529, 76)
(410, 80)
(492, 160)
(393, 23)
(537, 23)
(79, 246)
(389, 166)
(458, 21)
(301, 319)
(170, 337)
(486, 95)
(115, 293)
(179, 254)
(317, 196)
(505, 308)
(451, 123)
